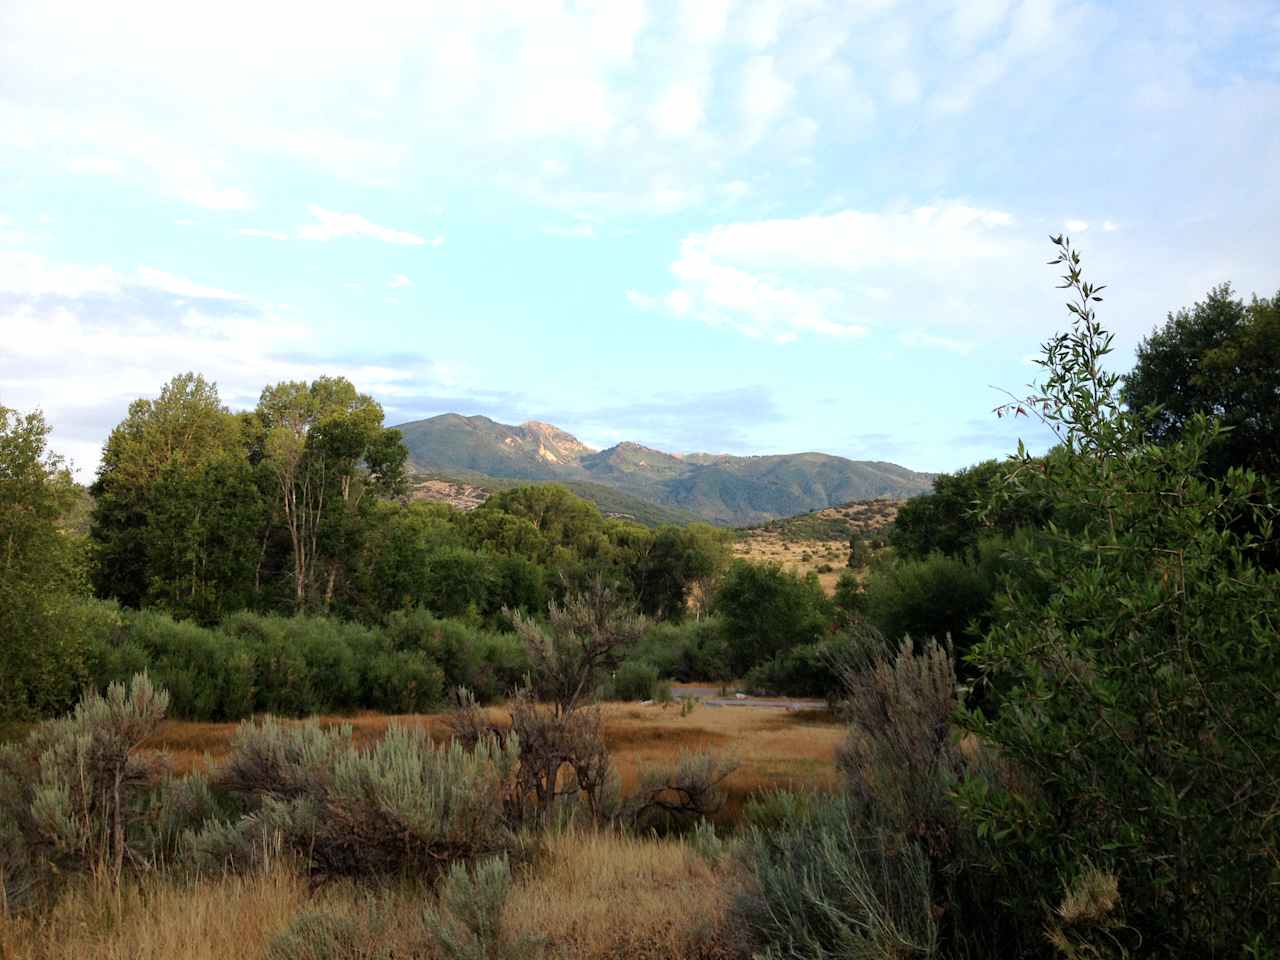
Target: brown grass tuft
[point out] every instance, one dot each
(611, 895)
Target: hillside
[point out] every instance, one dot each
(466, 491)
(720, 488)
(817, 542)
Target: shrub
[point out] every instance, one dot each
(282, 679)
(634, 680)
(688, 651)
(72, 795)
(823, 887)
(932, 598)
(466, 922)
(316, 935)
(404, 681)
(688, 790)
(488, 663)
(768, 610)
(1139, 696)
(209, 675)
(401, 804)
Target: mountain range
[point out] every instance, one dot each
(719, 488)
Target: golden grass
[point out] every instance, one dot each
(590, 895)
(605, 894)
(159, 919)
(774, 748)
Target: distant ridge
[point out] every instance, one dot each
(719, 488)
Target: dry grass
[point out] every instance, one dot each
(160, 919)
(610, 895)
(781, 542)
(774, 748)
(591, 895)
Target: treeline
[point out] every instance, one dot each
(295, 507)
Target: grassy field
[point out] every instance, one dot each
(588, 894)
(774, 748)
(816, 542)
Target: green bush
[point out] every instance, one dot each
(282, 678)
(634, 680)
(690, 651)
(403, 681)
(1138, 698)
(466, 921)
(209, 675)
(316, 935)
(767, 610)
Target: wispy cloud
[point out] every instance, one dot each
(331, 225)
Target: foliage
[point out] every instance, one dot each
(688, 790)
(767, 610)
(1138, 697)
(633, 680)
(317, 935)
(73, 795)
(1219, 358)
(693, 650)
(40, 573)
(401, 804)
(938, 597)
(167, 439)
(585, 637)
(822, 888)
(958, 513)
(466, 923)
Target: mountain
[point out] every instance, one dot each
(716, 487)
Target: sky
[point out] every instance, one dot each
(743, 226)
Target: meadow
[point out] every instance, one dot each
(589, 893)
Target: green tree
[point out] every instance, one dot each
(1136, 700)
(768, 611)
(326, 449)
(202, 538)
(952, 518)
(183, 429)
(1220, 358)
(674, 562)
(41, 570)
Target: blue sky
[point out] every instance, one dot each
(729, 225)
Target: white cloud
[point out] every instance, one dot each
(267, 234)
(182, 287)
(678, 111)
(400, 280)
(1109, 226)
(331, 225)
(762, 96)
(831, 275)
(1077, 226)
(438, 240)
(81, 342)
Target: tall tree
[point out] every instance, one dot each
(1219, 358)
(39, 568)
(326, 448)
(182, 430)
